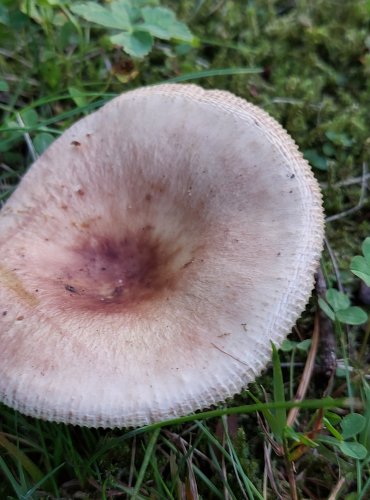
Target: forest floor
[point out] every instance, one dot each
(308, 65)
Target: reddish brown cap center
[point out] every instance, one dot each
(115, 274)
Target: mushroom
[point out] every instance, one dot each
(151, 255)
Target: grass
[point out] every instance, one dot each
(306, 63)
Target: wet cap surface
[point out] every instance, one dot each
(150, 256)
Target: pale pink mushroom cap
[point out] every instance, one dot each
(150, 256)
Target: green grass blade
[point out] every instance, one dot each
(33, 490)
(19, 457)
(148, 453)
(196, 75)
(308, 404)
(7, 473)
(207, 482)
(239, 471)
(163, 491)
(280, 414)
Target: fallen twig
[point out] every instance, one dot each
(360, 203)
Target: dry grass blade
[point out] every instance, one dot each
(278, 449)
(334, 494)
(307, 372)
(182, 444)
(27, 138)
(269, 472)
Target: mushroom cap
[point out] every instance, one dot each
(151, 255)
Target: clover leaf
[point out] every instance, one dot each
(338, 307)
(360, 265)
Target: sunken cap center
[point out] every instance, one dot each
(113, 274)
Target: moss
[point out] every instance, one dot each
(314, 61)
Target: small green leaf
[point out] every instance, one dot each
(340, 139)
(33, 10)
(361, 268)
(298, 437)
(4, 87)
(360, 265)
(137, 44)
(162, 23)
(133, 10)
(341, 372)
(10, 138)
(332, 429)
(328, 149)
(78, 96)
(352, 316)
(353, 450)
(120, 11)
(365, 434)
(332, 441)
(352, 496)
(327, 310)
(366, 249)
(4, 16)
(304, 345)
(332, 417)
(315, 159)
(290, 433)
(288, 345)
(95, 13)
(42, 141)
(29, 118)
(337, 300)
(352, 425)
